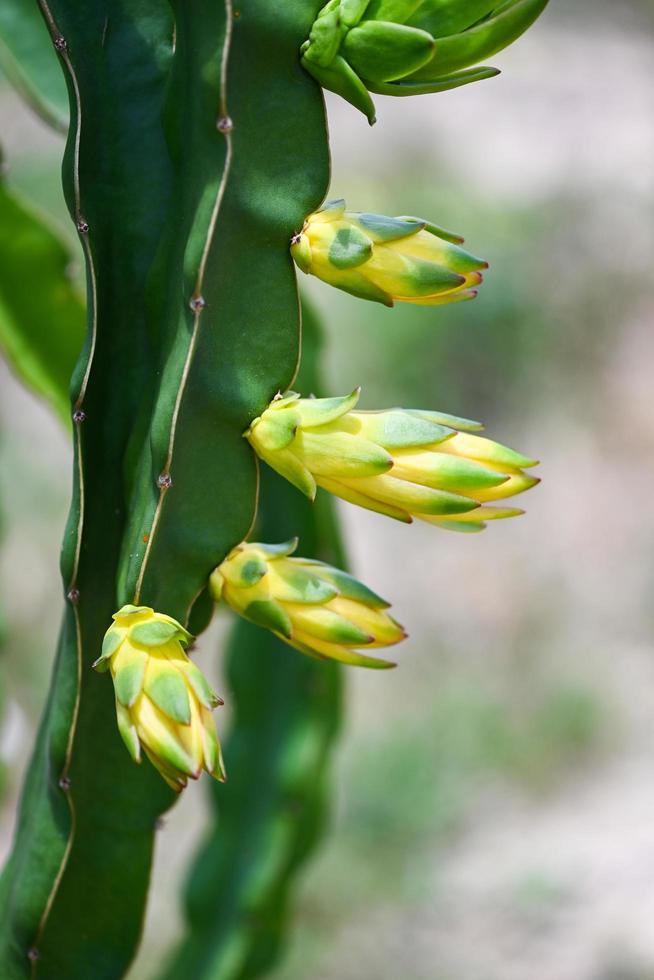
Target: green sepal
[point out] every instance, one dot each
(112, 640)
(443, 471)
(422, 278)
(348, 587)
(443, 233)
(347, 492)
(168, 755)
(252, 570)
(155, 634)
(481, 41)
(397, 429)
(339, 455)
(342, 80)
(336, 204)
(325, 36)
(383, 51)
(382, 228)
(442, 418)
(413, 86)
(128, 732)
(271, 615)
(325, 624)
(356, 284)
(462, 527)
(201, 687)
(444, 17)
(129, 610)
(165, 686)
(352, 11)
(128, 681)
(300, 585)
(345, 656)
(322, 411)
(398, 11)
(282, 550)
(288, 466)
(276, 428)
(350, 248)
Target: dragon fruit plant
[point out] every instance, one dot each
(201, 440)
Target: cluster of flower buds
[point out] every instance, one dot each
(163, 701)
(385, 259)
(410, 47)
(399, 462)
(319, 610)
(403, 463)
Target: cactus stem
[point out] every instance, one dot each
(73, 594)
(197, 302)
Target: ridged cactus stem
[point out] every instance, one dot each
(86, 809)
(186, 188)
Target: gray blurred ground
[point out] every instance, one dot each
(494, 798)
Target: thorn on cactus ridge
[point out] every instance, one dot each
(197, 303)
(64, 783)
(33, 954)
(224, 124)
(73, 596)
(78, 416)
(164, 481)
(82, 226)
(60, 43)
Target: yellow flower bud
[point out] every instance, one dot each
(317, 609)
(384, 259)
(402, 463)
(163, 701)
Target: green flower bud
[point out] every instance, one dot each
(317, 609)
(163, 701)
(384, 259)
(410, 47)
(399, 462)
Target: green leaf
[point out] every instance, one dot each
(42, 318)
(28, 58)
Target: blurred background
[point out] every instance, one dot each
(493, 811)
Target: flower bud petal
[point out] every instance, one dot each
(385, 259)
(314, 607)
(402, 462)
(163, 702)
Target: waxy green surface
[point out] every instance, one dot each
(87, 816)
